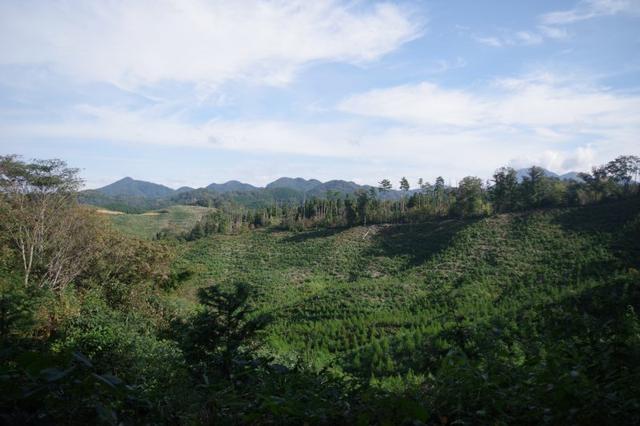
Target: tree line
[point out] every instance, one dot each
(472, 197)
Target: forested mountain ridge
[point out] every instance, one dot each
(128, 187)
(298, 184)
(132, 195)
(131, 187)
(231, 186)
(135, 188)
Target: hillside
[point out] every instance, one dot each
(473, 309)
(338, 294)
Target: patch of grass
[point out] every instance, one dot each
(146, 225)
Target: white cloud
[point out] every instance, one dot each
(138, 43)
(529, 38)
(579, 159)
(442, 65)
(517, 38)
(553, 32)
(431, 130)
(423, 103)
(152, 127)
(535, 113)
(588, 9)
(550, 23)
(490, 41)
(537, 101)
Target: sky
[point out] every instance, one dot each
(189, 92)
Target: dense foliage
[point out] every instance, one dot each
(513, 304)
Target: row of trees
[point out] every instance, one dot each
(505, 192)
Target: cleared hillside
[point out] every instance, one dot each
(384, 301)
(176, 219)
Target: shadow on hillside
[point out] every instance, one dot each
(571, 315)
(310, 235)
(615, 223)
(606, 217)
(418, 242)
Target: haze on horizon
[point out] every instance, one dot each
(193, 92)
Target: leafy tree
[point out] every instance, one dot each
(439, 192)
(539, 190)
(364, 201)
(623, 169)
(384, 186)
(469, 197)
(404, 184)
(505, 189)
(350, 212)
(598, 185)
(16, 311)
(127, 270)
(404, 187)
(51, 234)
(425, 187)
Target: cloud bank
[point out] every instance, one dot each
(145, 42)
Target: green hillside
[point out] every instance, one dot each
(453, 312)
(397, 278)
(176, 219)
(503, 292)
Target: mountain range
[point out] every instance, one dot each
(131, 195)
(129, 187)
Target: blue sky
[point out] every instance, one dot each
(191, 92)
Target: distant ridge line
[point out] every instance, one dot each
(129, 187)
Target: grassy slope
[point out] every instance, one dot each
(147, 225)
(340, 295)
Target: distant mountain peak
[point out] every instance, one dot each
(129, 187)
(522, 173)
(231, 186)
(298, 184)
(185, 189)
